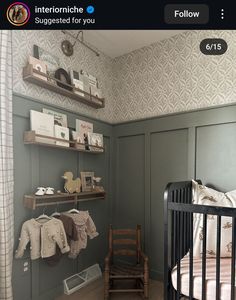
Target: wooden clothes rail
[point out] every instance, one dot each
(33, 201)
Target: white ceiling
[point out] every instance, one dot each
(118, 42)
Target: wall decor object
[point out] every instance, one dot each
(97, 184)
(39, 66)
(79, 84)
(88, 78)
(65, 79)
(50, 60)
(96, 140)
(87, 181)
(80, 38)
(62, 133)
(67, 48)
(79, 138)
(83, 127)
(59, 118)
(42, 124)
(71, 185)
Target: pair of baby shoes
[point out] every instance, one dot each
(44, 191)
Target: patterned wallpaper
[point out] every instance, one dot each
(101, 67)
(173, 76)
(166, 77)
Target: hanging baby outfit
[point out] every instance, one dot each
(85, 227)
(43, 237)
(71, 234)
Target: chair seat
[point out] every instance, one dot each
(126, 270)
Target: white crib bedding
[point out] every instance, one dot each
(225, 278)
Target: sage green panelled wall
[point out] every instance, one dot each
(41, 166)
(177, 147)
(140, 159)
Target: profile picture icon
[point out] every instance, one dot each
(18, 13)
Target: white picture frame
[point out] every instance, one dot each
(87, 181)
(79, 139)
(83, 127)
(95, 141)
(42, 124)
(50, 59)
(59, 118)
(61, 133)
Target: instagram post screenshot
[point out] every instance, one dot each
(117, 150)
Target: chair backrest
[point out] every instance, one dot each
(125, 242)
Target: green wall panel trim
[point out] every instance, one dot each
(198, 127)
(216, 155)
(210, 116)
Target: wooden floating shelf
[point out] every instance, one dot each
(30, 138)
(32, 75)
(33, 201)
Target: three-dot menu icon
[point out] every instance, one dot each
(222, 13)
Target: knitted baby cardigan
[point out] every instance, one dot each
(85, 227)
(43, 236)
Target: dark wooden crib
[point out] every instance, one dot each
(178, 239)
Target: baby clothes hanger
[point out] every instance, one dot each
(74, 210)
(56, 213)
(43, 216)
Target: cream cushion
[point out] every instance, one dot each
(203, 195)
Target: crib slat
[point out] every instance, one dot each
(233, 260)
(204, 257)
(218, 258)
(191, 258)
(178, 242)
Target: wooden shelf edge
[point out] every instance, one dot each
(30, 75)
(30, 139)
(32, 201)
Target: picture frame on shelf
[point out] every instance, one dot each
(79, 139)
(39, 66)
(95, 141)
(59, 118)
(88, 78)
(48, 58)
(42, 124)
(83, 127)
(62, 133)
(87, 181)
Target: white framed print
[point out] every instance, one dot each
(83, 127)
(79, 138)
(95, 141)
(87, 181)
(59, 118)
(62, 133)
(42, 124)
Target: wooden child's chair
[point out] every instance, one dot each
(118, 238)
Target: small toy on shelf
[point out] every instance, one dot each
(71, 185)
(96, 184)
